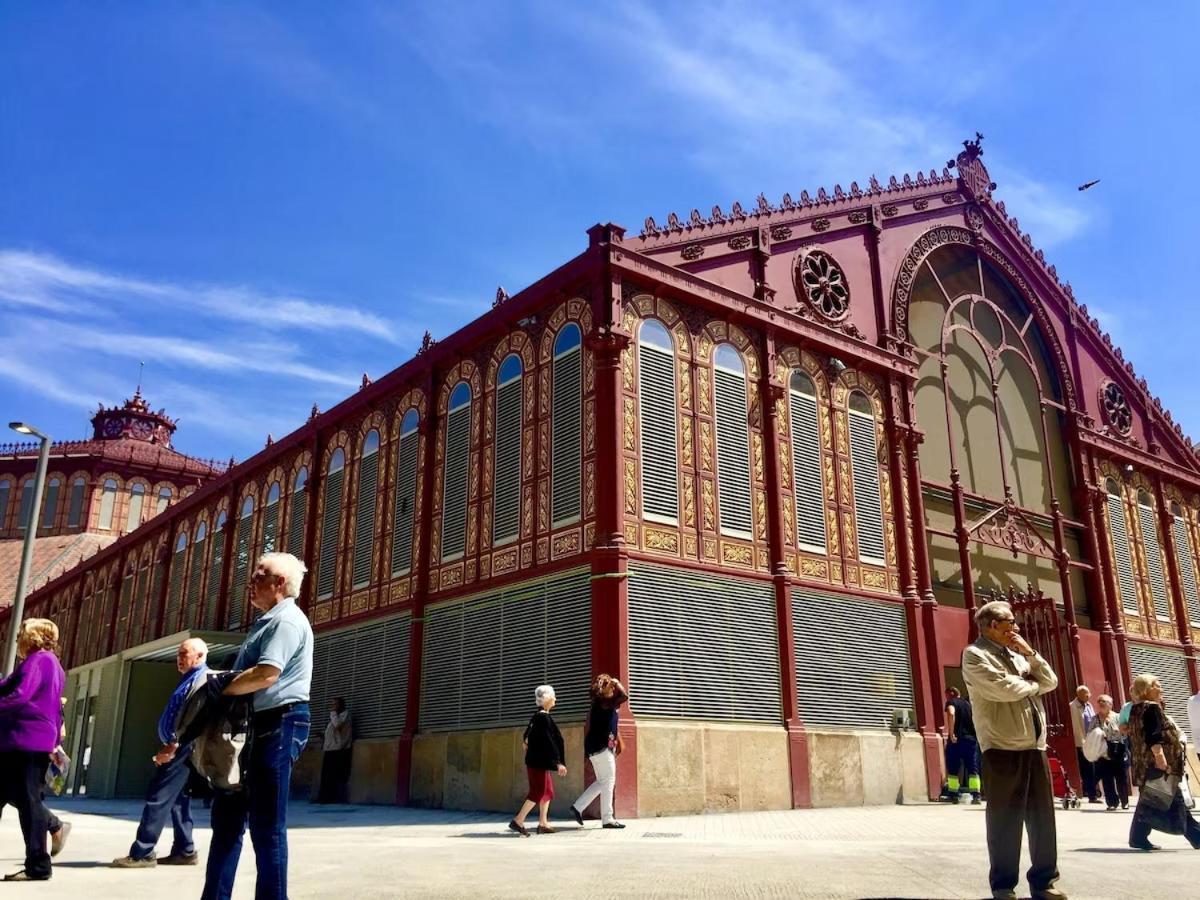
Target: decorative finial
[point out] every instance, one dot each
(366, 380)
(501, 296)
(138, 390)
(270, 439)
(315, 412)
(427, 343)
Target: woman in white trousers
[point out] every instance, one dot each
(602, 745)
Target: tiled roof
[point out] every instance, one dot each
(122, 450)
(52, 555)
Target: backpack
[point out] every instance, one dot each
(1095, 745)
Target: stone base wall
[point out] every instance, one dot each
(485, 770)
(373, 772)
(866, 768)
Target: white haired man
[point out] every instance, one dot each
(167, 797)
(276, 667)
(1083, 720)
(1006, 678)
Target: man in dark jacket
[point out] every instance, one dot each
(167, 796)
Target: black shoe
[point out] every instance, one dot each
(1124, 806)
(181, 859)
(1145, 845)
(519, 829)
(612, 825)
(578, 816)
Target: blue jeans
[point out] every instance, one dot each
(274, 746)
(166, 798)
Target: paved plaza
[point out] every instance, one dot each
(365, 852)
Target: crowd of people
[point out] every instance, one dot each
(236, 735)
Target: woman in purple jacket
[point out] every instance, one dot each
(30, 722)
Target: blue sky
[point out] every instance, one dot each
(265, 201)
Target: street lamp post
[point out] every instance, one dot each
(18, 607)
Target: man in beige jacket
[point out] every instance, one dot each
(1006, 678)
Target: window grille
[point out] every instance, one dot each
(1171, 669)
(457, 473)
(75, 509)
(108, 499)
(406, 494)
(243, 532)
(506, 517)
(212, 590)
(5, 491)
(733, 444)
(366, 502)
(331, 520)
(864, 466)
(659, 435)
(137, 496)
(1187, 569)
(50, 503)
(164, 500)
(566, 427)
(1123, 558)
(298, 515)
(271, 519)
(806, 465)
(26, 505)
(195, 578)
(1154, 559)
(175, 584)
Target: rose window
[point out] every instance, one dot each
(823, 284)
(1116, 408)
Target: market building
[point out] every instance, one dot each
(761, 464)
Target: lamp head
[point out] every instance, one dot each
(23, 428)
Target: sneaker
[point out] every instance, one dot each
(612, 825)
(578, 816)
(545, 829)
(58, 839)
(519, 829)
(1050, 893)
(133, 862)
(181, 859)
(1124, 806)
(24, 876)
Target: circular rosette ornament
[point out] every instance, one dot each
(1117, 413)
(820, 281)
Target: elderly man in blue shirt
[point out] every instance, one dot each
(167, 796)
(275, 663)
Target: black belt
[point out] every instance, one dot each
(269, 718)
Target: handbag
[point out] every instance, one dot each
(56, 772)
(1160, 793)
(1117, 751)
(1095, 745)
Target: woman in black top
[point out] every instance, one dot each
(1157, 753)
(601, 745)
(544, 755)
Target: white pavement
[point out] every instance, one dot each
(367, 852)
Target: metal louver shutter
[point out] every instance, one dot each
(1154, 562)
(458, 462)
(566, 432)
(485, 655)
(76, 509)
(124, 606)
(212, 590)
(1171, 669)
(506, 520)
(50, 506)
(733, 454)
(195, 576)
(299, 513)
(1124, 561)
(156, 580)
(270, 526)
(141, 602)
(660, 451)
(702, 646)
(330, 522)
(868, 510)
(368, 666)
(1187, 570)
(806, 473)
(852, 665)
(174, 591)
(241, 572)
(406, 492)
(364, 523)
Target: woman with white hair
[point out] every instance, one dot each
(544, 755)
(30, 724)
(1157, 768)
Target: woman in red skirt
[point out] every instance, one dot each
(544, 754)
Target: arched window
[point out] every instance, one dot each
(506, 513)
(1118, 527)
(108, 500)
(1187, 563)
(659, 432)
(175, 584)
(216, 559)
(164, 499)
(1154, 560)
(243, 533)
(806, 464)
(364, 519)
(75, 509)
(137, 497)
(331, 520)
(864, 470)
(50, 503)
(271, 518)
(406, 494)
(457, 470)
(566, 426)
(5, 495)
(298, 515)
(26, 504)
(195, 578)
(733, 443)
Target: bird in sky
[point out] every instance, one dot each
(1084, 187)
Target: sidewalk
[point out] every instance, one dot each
(376, 852)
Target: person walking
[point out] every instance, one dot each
(276, 668)
(167, 797)
(336, 754)
(544, 755)
(1006, 678)
(602, 745)
(1110, 768)
(962, 748)
(30, 723)
(1083, 720)
(1157, 768)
